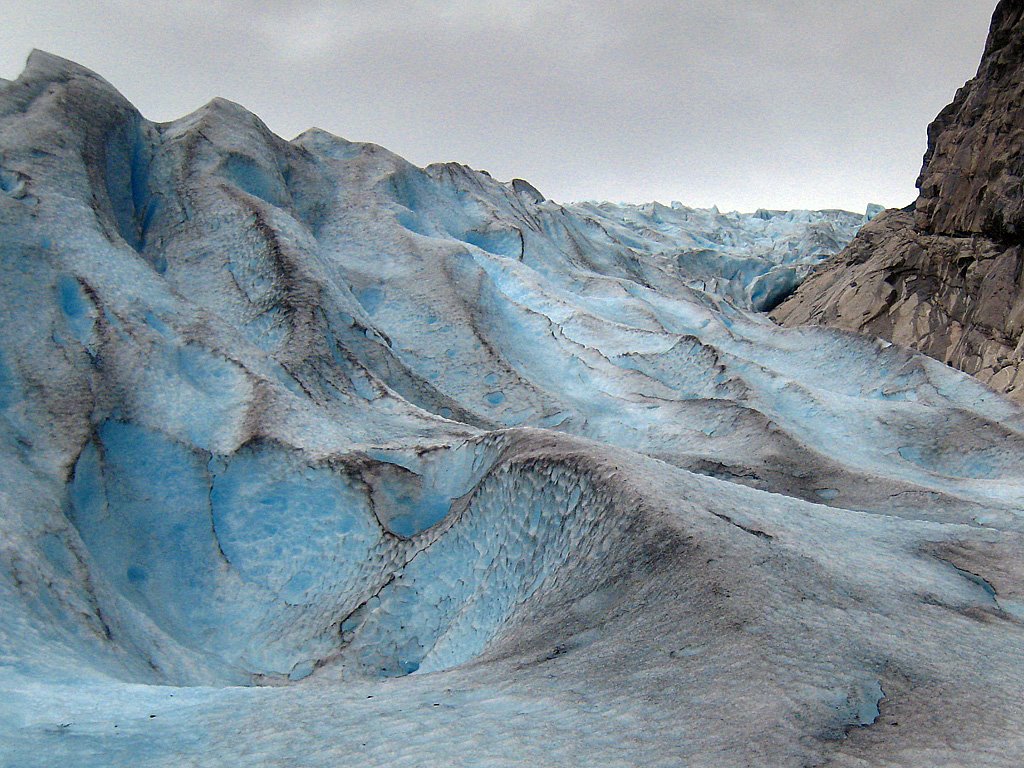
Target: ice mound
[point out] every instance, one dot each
(309, 455)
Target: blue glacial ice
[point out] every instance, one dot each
(309, 455)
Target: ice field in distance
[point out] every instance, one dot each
(310, 456)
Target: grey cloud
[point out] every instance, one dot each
(781, 103)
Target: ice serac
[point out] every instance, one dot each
(946, 277)
(754, 260)
(311, 455)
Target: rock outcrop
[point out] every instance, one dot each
(946, 277)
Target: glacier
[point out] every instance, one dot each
(309, 455)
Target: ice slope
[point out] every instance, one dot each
(309, 456)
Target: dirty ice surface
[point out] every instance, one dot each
(310, 456)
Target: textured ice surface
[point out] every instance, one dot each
(309, 456)
(755, 259)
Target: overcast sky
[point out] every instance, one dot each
(740, 103)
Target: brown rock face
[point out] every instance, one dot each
(972, 181)
(957, 299)
(947, 278)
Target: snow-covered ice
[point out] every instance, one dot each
(310, 456)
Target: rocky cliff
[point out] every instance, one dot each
(946, 277)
